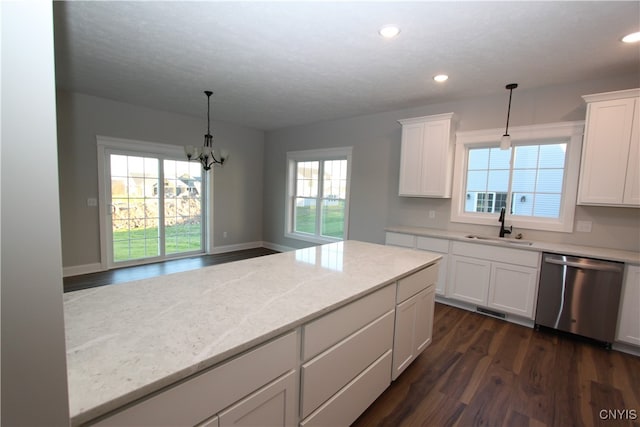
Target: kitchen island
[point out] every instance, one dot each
(130, 341)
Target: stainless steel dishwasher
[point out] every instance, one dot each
(580, 296)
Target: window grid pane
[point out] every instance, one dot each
(537, 180)
(307, 179)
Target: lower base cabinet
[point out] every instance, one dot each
(629, 318)
(477, 276)
(257, 382)
(346, 406)
(469, 279)
(414, 327)
(273, 405)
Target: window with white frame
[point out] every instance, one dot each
(318, 194)
(535, 181)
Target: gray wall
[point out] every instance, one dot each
(237, 189)
(375, 139)
(34, 377)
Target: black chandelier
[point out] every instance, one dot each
(206, 154)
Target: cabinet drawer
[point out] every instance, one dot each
(497, 253)
(329, 372)
(433, 244)
(272, 405)
(414, 283)
(347, 405)
(199, 398)
(339, 324)
(399, 239)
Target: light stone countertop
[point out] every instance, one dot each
(125, 341)
(538, 246)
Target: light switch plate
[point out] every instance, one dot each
(92, 201)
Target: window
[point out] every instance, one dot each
(535, 181)
(318, 194)
(143, 220)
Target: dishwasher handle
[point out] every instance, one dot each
(588, 265)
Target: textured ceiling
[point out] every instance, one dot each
(279, 64)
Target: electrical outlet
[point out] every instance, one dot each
(584, 226)
(92, 201)
(224, 234)
(432, 214)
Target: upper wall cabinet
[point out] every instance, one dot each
(610, 175)
(426, 159)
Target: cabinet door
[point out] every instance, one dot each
(424, 319)
(629, 318)
(404, 335)
(513, 289)
(632, 183)
(606, 151)
(413, 330)
(411, 159)
(469, 279)
(272, 405)
(436, 170)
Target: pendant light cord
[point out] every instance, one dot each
(506, 131)
(209, 112)
(511, 87)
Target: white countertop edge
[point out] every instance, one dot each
(133, 397)
(610, 254)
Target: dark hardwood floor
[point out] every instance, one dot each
(481, 371)
(127, 274)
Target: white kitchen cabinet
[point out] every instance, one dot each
(426, 157)
(273, 405)
(343, 353)
(399, 239)
(257, 374)
(414, 317)
(469, 279)
(512, 289)
(440, 246)
(609, 173)
(414, 329)
(629, 316)
(344, 407)
(501, 278)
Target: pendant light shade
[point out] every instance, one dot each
(206, 155)
(505, 141)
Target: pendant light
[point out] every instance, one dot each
(206, 154)
(505, 142)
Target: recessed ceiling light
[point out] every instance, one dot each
(389, 31)
(441, 78)
(632, 38)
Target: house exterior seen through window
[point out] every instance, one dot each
(531, 187)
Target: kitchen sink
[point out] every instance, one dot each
(503, 240)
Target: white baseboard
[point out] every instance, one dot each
(76, 270)
(236, 247)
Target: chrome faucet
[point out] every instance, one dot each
(503, 230)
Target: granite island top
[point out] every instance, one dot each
(127, 340)
(538, 246)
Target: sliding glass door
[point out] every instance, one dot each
(155, 207)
